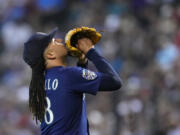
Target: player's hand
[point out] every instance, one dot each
(84, 45)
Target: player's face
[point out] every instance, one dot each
(57, 47)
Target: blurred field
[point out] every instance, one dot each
(141, 39)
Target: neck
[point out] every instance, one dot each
(55, 63)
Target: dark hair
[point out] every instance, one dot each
(37, 91)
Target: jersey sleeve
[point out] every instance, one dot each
(83, 80)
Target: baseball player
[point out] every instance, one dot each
(57, 92)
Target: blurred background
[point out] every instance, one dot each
(141, 39)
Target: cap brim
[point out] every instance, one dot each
(52, 33)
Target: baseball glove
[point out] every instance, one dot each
(73, 35)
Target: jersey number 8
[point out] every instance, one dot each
(49, 112)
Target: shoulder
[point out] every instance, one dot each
(64, 69)
(65, 72)
(72, 70)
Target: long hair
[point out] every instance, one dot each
(37, 91)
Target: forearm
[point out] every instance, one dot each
(109, 83)
(110, 78)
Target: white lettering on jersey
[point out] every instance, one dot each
(51, 84)
(55, 84)
(84, 96)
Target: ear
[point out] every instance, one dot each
(50, 55)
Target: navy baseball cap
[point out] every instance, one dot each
(35, 46)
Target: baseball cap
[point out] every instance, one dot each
(35, 46)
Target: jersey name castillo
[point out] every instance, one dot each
(65, 89)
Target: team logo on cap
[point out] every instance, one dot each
(89, 75)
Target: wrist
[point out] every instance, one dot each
(82, 61)
(82, 64)
(90, 53)
(86, 51)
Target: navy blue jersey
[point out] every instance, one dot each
(65, 89)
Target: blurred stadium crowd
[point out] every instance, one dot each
(141, 39)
